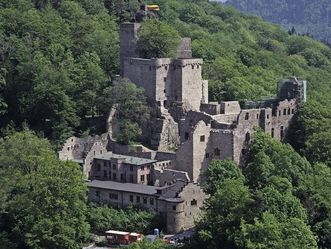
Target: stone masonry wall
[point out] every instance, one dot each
(182, 216)
(123, 198)
(77, 148)
(164, 177)
(98, 148)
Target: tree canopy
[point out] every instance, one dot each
(43, 199)
(274, 203)
(58, 59)
(157, 39)
(300, 16)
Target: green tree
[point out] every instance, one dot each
(145, 244)
(318, 147)
(270, 233)
(218, 171)
(132, 110)
(102, 218)
(43, 198)
(157, 39)
(224, 210)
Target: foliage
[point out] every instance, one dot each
(280, 200)
(132, 110)
(156, 39)
(145, 244)
(270, 233)
(301, 16)
(218, 171)
(43, 199)
(55, 61)
(223, 214)
(103, 218)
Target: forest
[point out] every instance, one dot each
(307, 17)
(58, 61)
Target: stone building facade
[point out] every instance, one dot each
(115, 167)
(177, 204)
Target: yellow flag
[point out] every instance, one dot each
(153, 7)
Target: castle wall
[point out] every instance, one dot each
(230, 107)
(76, 148)
(143, 73)
(183, 215)
(226, 118)
(98, 148)
(212, 108)
(282, 118)
(128, 36)
(247, 120)
(184, 157)
(163, 81)
(191, 83)
(194, 199)
(164, 177)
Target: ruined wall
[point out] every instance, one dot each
(98, 148)
(142, 72)
(194, 199)
(230, 107)
(128, 35)
(169, 136)
(182, 215)
(126, 149)
(201, 143)
(282, 118)
(247, 120)
(164, 177)
(112, 123)
(163, 82)
(184, 49)
(77, 148)
(191, 155)
(226, 118)
(184, 157)
(187, 125)
(205, 94)
(212, 108)
(190, 87)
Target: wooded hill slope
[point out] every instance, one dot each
(57, 62)
(57, 57)
(313, 17)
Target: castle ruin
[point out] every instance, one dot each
(158, 179)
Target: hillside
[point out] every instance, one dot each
(58, 57)
(313, 17)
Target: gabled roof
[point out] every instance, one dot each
(169, 193)
(123, 187)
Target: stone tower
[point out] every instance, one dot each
(166, 80)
